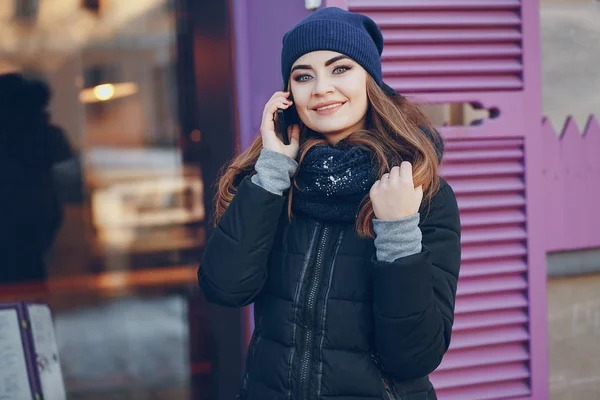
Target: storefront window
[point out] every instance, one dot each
(106, 219)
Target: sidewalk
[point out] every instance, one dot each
(574, 337)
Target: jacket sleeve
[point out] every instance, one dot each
(233, 268)
(414, 296)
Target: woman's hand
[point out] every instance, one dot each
(395, 196)
(270, 139)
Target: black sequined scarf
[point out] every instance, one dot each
(333, 181)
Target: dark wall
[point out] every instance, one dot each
(206, 81)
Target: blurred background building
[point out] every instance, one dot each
(570, 43)
(146, 99)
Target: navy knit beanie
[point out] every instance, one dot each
(334, 29)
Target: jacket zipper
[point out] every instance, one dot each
(310, 317)
(387, 384)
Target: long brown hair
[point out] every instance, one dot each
(395, 132)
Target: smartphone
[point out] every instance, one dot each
(286, 118)
(283, 126)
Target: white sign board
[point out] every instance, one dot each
(46, 350)
(14, 379)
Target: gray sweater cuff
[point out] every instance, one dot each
(273, 171)
(397, 239)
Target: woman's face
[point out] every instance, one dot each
(330, 93)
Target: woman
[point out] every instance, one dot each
(346, 240)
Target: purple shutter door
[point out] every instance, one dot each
(442, 51)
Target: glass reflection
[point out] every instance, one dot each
(105, 218)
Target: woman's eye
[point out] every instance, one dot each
(341, 69)
(302, 78)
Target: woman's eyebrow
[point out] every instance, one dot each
(334, 59)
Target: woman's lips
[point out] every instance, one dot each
(328, 109)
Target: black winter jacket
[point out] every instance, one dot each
(331, 321)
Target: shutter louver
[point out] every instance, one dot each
(489, 354)
(448, 45)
